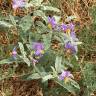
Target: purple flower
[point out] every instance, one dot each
(18, 3)
(73, 35)
(38, 49)
(64, 27)
(52, 22)
(14, 53)
(65, 74)
(72, 47)
(71, 26)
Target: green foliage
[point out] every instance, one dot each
(32, 30)
(50, 8)
(12, 20)
(41, 14)
(6, 61)
(33, 27)
(5, 24)
(69, 86)
(89, 72)
(25, 23)
(47, 40)
(36, 2)
(87, 34)
(58, 63)
(23, 56)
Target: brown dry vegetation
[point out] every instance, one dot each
(80, 8)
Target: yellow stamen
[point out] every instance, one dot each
(42, 51)
(32, 52)
(37, 57)
(49, 26)
(66, 80)
(76, 19)
(60, 21)
(68, 32)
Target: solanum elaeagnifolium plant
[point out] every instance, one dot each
(44, 42)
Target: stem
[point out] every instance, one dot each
(38, 70)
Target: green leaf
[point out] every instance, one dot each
(41, 28)
(12, 20)
(50, 8)
(22, 49)
(36, 2)
(47, 77)
(75, 84)
(58, 63)
(26, 23)
(6, 61)
(41, 14)
(26, 60)
(29, 5)
(47, 40)
(64, 37)
(67, 86)
(36, 75)
(54, 71)
(57, 18)
(33, 76)
(5, 24)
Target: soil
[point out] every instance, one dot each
(19, 87)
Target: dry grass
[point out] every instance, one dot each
(80, 8)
